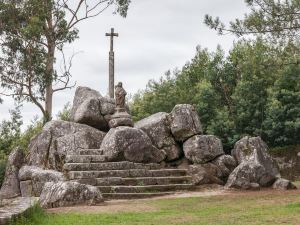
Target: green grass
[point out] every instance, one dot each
(253, 208)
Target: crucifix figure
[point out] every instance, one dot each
(112, 34)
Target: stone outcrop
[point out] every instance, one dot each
(10, 187)
(32, 180)
(62, 194)
(158, 128)
(131, 144)
(201, 149)
(58, 139)
(256, 167)
(185, 122)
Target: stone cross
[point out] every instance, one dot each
(112, 34)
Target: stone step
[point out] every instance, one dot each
(135, 195)
(74, 175)
(125, 165)
(145, 188)
(90, 152)
(85, 158)
(136, 181)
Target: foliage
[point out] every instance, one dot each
(65, 113)
(279, 19)
(32, 33)
(32, 130)
(264, 208)
(244, 93)
(10, 131)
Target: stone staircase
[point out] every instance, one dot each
(125, 180)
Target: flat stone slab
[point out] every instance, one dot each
(85, 158)
(146, 188)
(72, 175)
(125, 165)
(15, 207)
(90, 152)
(110, 196)
(135, 181)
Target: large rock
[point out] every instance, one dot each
(226, 163)
(185, 122)
(249, 175)
(256, 166)
(158, 128)
(58, 139)
(33, 179)
(62, 194)
(283, 184)
(131, 144)
(205, 174)
(11, 185)
(202, 148)
(87, 108)
(256, 150)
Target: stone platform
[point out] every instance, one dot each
(125, 180)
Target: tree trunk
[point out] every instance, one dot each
(49, 89)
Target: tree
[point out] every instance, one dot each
(275, 20)
(268, 17)
(32, 33)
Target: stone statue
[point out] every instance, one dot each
(120, 96)
(121, 117)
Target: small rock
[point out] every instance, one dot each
(202, 148)
(69, 193)
(283, 184)
(185, 122)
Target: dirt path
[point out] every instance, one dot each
(142, 205)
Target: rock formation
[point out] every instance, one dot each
(162, 153)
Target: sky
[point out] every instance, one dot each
(156, 36)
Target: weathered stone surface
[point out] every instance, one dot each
(107, 105)
(11, 187)
(158, 128)
(283, 184)
(173, 152)
(26, 188)
(131, 144)
(185, 122)
(89, 112)
(117, 122)
(58, 139)
(39, 177)
(202, 148)
(256, 150)
(226, 164)
(249, 173)
(206, 174)
(14, 208)
(68, 194)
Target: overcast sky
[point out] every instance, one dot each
(156, 36)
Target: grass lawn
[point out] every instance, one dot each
(243, 208)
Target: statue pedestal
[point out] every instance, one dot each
(120, 118)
